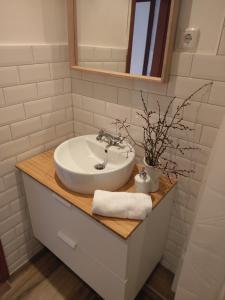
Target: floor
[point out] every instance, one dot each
(47, 278)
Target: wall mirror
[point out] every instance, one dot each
(131, 38)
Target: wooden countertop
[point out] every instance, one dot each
(42, 169)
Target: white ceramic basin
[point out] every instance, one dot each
(75, 162)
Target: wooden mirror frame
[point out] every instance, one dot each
(170, 37)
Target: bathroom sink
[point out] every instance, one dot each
(84, 164)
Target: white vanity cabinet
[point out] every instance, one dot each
(116, 268)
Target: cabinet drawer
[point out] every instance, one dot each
(102, 280)
(53, 216)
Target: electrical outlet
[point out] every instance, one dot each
(190, 38)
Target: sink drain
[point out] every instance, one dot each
(99, 166)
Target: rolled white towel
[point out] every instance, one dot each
(122, 205)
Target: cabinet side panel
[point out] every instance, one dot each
(146, 246)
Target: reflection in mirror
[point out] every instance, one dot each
(143, 14)
(126, 36)
(142, 36)
(103, 33)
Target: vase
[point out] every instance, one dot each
(154, 174)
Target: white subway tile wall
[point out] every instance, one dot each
(208, 67)
(35, 115)
(203, 271)
(98, 100)
(37, 112)
(105, 58)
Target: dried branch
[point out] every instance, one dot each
(157, 134)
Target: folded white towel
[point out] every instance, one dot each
(122, 205)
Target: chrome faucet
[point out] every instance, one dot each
(109, 138)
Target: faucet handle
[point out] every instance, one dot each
(100, 135)
(119, 138)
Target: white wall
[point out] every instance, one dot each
(98, 27)
(33, 21)
(35, 115)
(203, 271)
(35, 107)
(103, 22)
(95, 25)
(207, 15)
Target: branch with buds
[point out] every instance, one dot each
(157, 140)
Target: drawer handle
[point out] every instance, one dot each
(66, 239)
(63, 202)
